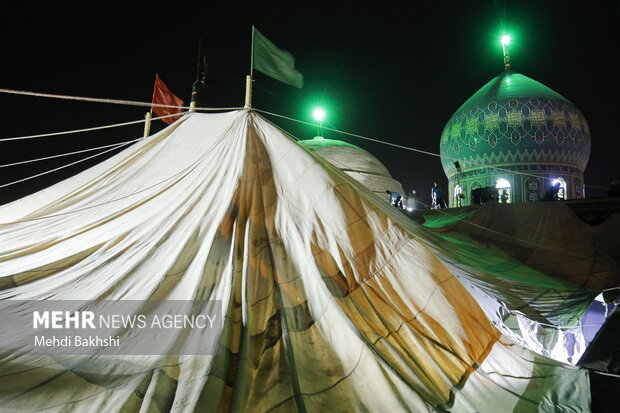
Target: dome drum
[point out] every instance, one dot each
(522, 187)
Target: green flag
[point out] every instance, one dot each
(274, 62)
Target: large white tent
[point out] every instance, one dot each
(334, 300)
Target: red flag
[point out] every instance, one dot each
(163, 96)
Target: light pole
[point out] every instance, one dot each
(505, 42)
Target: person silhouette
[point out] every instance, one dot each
(437, 197)
(396, 198)
(412, 200)
(552, 192)
(504, 197)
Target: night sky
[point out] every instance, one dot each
(391, 72)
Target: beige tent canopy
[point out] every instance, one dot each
(334, 300)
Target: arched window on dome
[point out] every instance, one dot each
(562, 189)
(503, 190)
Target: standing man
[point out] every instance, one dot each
(437, 197)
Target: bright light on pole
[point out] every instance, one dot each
(319, 114)
(505, 39)
(505, 42)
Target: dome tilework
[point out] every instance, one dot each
(514, 119)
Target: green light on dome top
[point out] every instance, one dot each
(505, 40)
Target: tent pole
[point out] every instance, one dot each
(147, 124)
(248, 92)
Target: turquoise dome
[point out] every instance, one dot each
(515, 120)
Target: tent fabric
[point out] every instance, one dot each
(333, 300)
(533, 267)
(605, 236)
(604, 352)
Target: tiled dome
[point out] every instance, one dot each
(515, 120)
(356, 162)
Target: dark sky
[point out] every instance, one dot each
(390, 71)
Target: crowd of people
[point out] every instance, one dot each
(408, 202)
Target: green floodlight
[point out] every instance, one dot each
(506, 40)
(319, 114)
